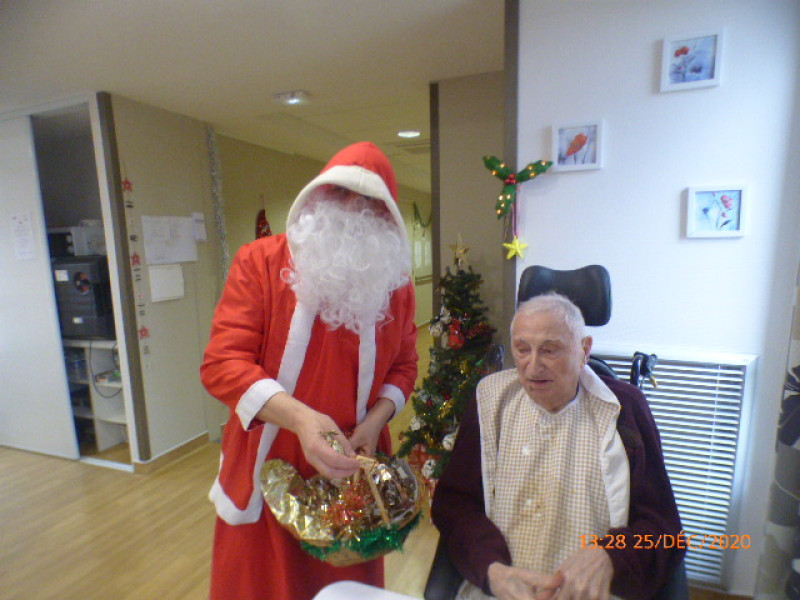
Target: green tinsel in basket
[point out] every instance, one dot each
(370, 544)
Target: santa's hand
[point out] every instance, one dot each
(365, 436)
(587, 575)
(326, 448)
(514, 583)
(315, 431)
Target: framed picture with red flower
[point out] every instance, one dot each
(578, 146)
(691, 61)
(716, 211)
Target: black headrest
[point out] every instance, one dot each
(588, 287)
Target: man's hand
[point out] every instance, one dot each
(514, 583)
(587, 575)
(312, 429)
(365, 436)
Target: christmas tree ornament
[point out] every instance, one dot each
(463, 339)
(456, 338)
(460, 252)
(262, 225)
(515, 248)
(511, 180)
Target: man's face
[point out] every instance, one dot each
(548, 358)
(355, 202)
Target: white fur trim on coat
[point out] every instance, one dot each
(395, 394)
(226, 509)
(366, 370)
(254, 399)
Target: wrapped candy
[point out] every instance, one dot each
(346, 521)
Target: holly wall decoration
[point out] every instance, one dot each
(506, 199)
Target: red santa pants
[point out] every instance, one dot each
(262, 561)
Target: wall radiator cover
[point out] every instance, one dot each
(699, 406)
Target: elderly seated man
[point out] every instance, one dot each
(556, 486)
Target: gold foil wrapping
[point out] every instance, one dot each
(384, 496)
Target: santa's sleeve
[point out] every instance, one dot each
(231, 371)
(402, 374)
(473, 542)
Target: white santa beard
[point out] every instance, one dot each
(347, 264)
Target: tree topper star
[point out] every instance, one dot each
(515, 248)
(460, 252)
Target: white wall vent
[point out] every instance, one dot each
(699, 406)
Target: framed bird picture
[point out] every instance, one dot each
(578, 146)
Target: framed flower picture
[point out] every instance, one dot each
(717, 211)
(577, 146)
(691, 61)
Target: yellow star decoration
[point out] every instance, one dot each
(460, 252)
(515, 248)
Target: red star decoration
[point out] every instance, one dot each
(144, 332)
(136, 260)
(127, 186)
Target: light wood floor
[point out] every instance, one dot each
(71, 530)
(76, 531)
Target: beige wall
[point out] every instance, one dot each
(471, 117)
(165, 157)
(251, 173)
(254, 177)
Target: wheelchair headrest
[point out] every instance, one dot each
(588, 287)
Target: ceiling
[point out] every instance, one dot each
(366, 64)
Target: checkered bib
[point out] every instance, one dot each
(544, 486)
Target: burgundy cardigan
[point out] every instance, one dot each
(474, 542)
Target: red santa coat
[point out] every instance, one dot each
(264, 341)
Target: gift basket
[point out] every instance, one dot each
(347, 521)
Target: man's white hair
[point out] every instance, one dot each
(558, 304)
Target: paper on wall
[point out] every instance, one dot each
(22, 234)
(168, 240)
(166, 282)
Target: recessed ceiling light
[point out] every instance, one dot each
(291, 98)
(408, 133)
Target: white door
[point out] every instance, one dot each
(35, 410)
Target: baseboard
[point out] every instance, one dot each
(145, 468)
(700, 593)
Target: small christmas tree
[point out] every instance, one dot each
(461, 355)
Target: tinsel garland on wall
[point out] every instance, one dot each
(219, 202)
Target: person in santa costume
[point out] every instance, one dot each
(314, 334)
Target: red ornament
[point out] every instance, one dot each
(127, 185)
(262, 225)
(456, 339)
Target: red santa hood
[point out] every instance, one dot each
(361, 167)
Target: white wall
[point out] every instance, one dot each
(601, 60)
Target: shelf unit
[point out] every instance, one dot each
(96, 391)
